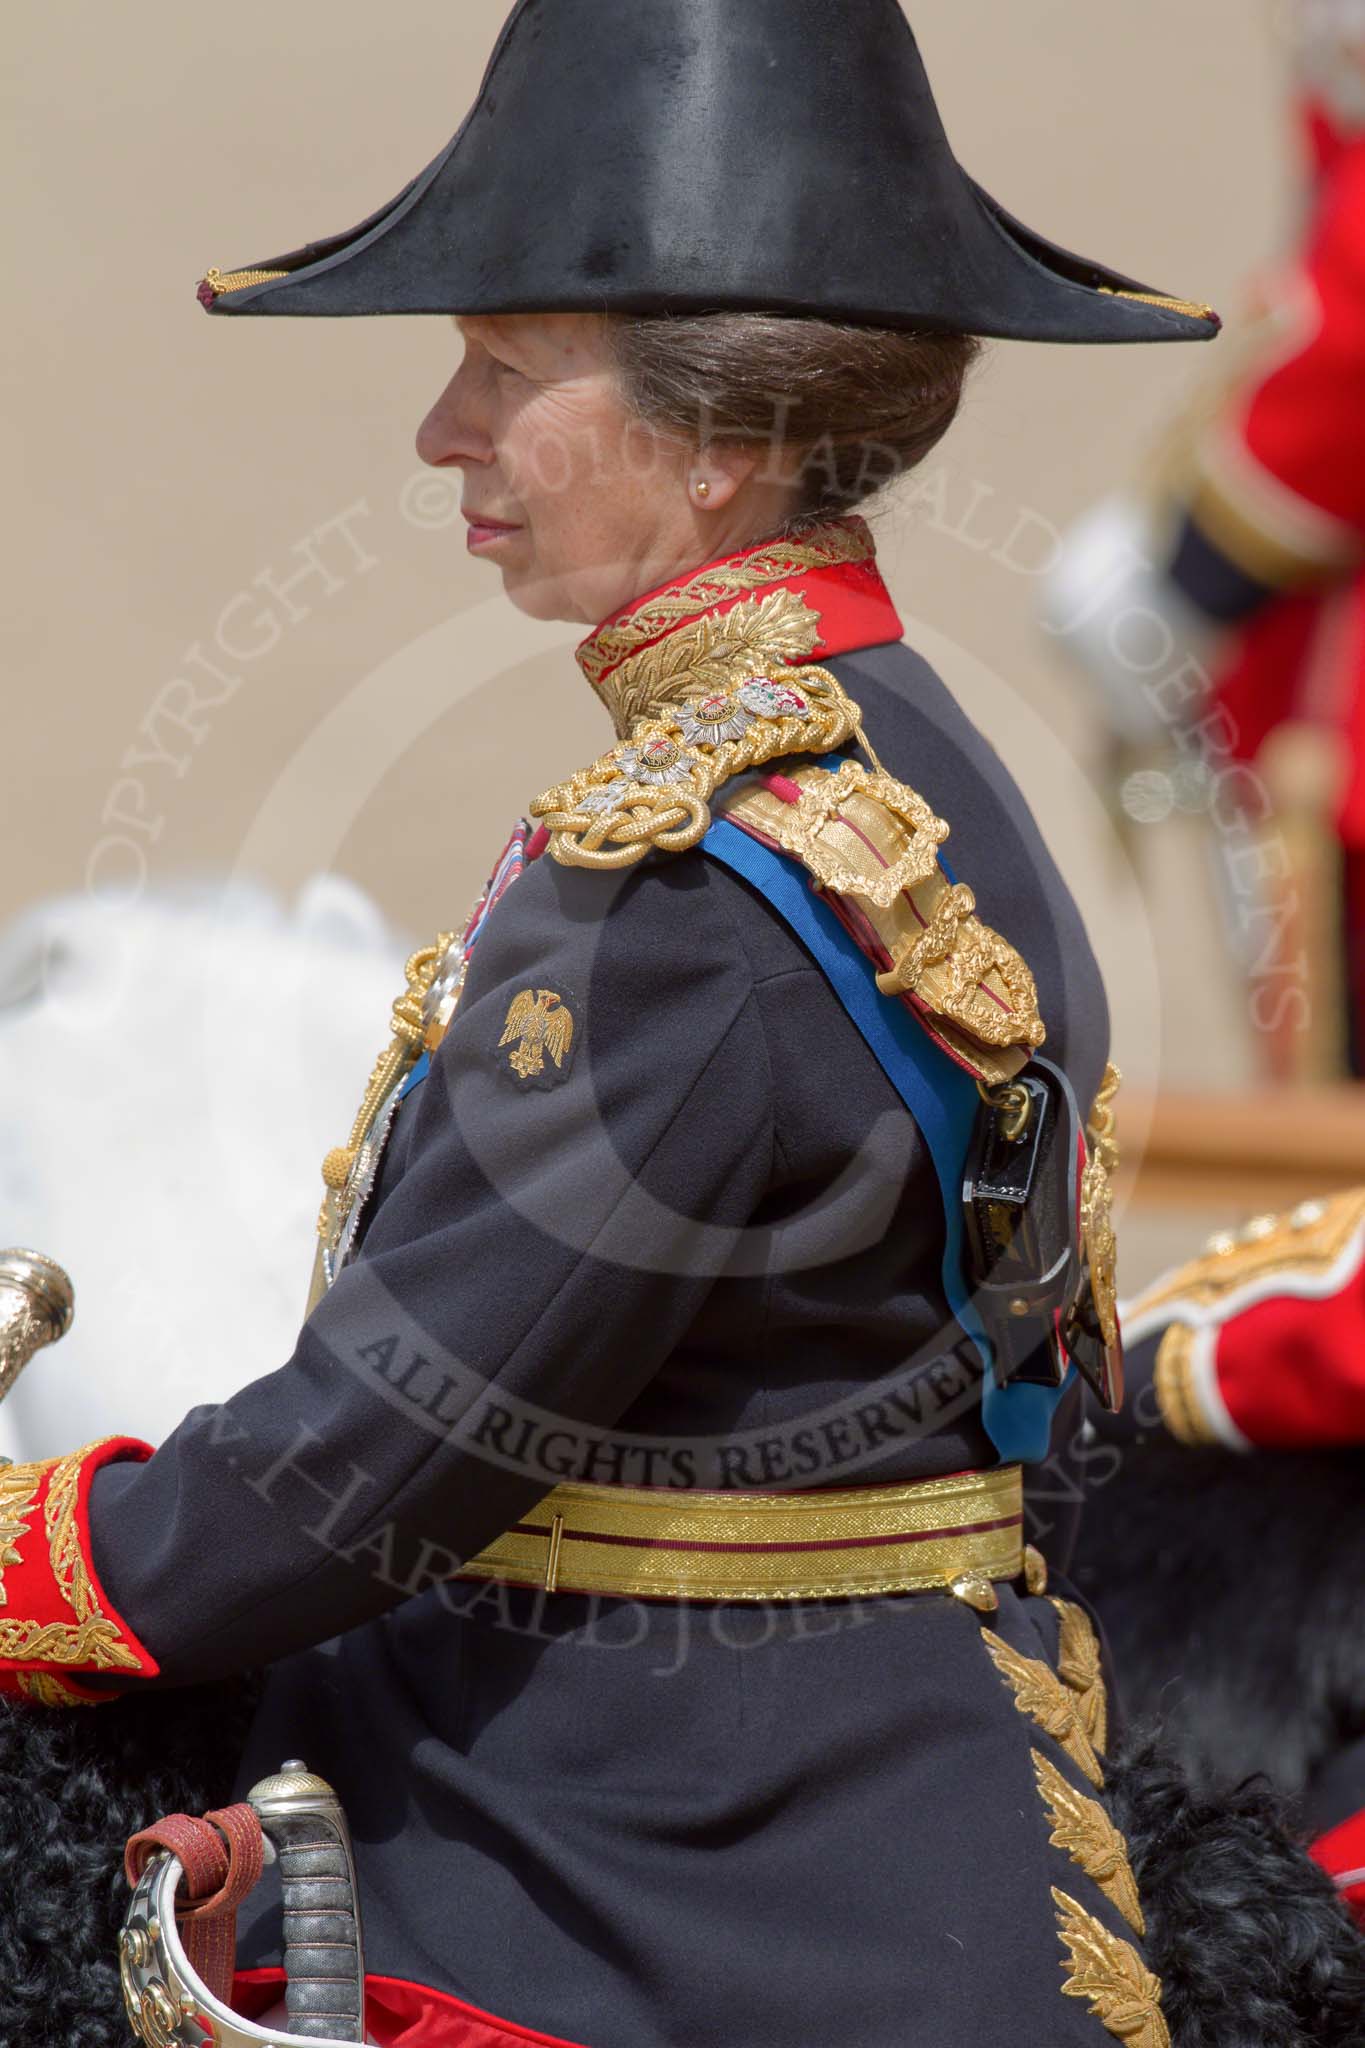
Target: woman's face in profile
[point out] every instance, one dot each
(579, 504)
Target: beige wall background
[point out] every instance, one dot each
(385, 712)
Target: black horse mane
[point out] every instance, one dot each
(1232, 1591)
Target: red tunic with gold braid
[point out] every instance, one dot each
(1261, 1341)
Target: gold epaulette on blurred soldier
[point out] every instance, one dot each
(1295, 1252)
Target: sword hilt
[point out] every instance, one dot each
(36, 1306)
(324, 1959)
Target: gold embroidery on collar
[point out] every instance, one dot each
(1040, 1694)
(1111, 1976)
(1082, 1828)
(768, 632)
(822, 547)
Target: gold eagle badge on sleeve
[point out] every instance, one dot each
(538, 1021)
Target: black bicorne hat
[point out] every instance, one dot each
(657, 156)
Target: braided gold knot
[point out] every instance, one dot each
(655, 789)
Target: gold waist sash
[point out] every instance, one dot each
(657, 1543)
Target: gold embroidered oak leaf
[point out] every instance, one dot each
(537, 1023)
(1084, 1831)
(18, 1489)
(714, 652)
(1111, 1976)
(1039, 1693)
(1078, 1665)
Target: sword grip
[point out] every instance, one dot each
(35, 1309)
(323, 1959)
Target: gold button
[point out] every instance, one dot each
(974, 1589)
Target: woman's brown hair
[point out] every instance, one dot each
(861, 405)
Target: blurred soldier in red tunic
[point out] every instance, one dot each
(1234, 605)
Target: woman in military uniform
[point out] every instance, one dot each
(634, 1539)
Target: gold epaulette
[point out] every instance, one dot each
(654, 789)
(861, 834)
(873, 841)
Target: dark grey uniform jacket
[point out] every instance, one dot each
(705, 1251)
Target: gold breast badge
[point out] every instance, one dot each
(538, 1022)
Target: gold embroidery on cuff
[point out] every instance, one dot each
(1111, 1976)
(69, 1567)
(19, 1486)
(1082, 1828)
(97, 1641)
(93, 1638)
(45, 1690)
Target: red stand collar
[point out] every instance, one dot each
(830, 572)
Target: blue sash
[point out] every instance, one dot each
(939, 1095)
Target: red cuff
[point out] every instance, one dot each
(56, 1623)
